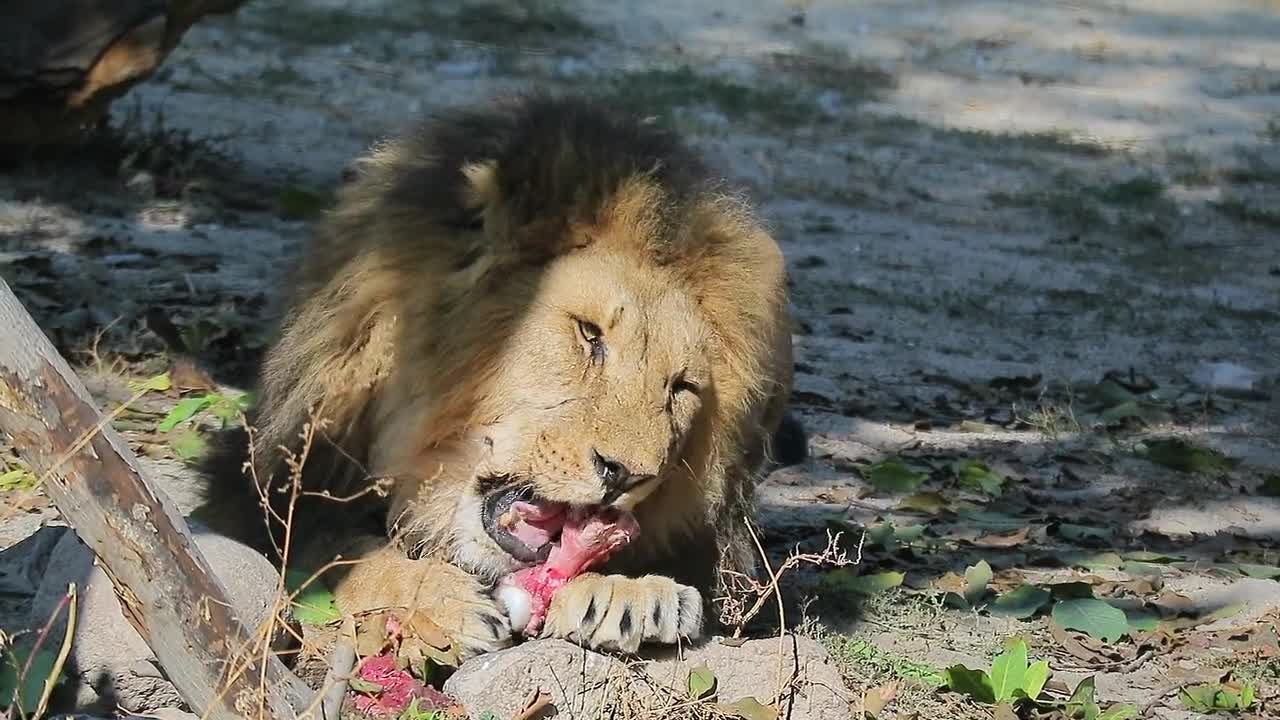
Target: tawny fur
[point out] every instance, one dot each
(434, 324)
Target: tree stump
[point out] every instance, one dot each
(62, 62)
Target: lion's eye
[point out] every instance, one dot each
(681, 384)
(594, 337)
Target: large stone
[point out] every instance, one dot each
(588, 684)
(109, 662)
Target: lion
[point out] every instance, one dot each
(536, 300)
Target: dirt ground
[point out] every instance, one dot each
(1035, 251)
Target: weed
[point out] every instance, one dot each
(830, 68)
(859, 657)
(663, 91)
(1141, 190)
(1241, 211)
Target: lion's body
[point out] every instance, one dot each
(540, 293)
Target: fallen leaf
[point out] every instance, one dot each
(975, 475)
(976, 579)
(875, 699)
(156, 383)
(183, 411)
(1003, 541)
(1182, 456)
(1083, 533)
(894, 477)
(1262, 572)
(974, 683)
(186, 375)
(930, 503)
(313, 604)
(749, 708)
(1094, 617)
(1022, 602)
(702, 682)
(1270, 486)
(1094, 561)
(1005, 711)
(189, 445)
(844, 580)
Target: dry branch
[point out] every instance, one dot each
(165, 586)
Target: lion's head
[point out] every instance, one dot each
(552, 305)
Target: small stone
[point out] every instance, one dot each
(1226, 377)
(142, 184)
(110, 658)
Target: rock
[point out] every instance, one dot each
(142, 185)
(111, 661)
(587, 684)
(1226, 378)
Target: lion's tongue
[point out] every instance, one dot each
(587, 539)
(537, 524)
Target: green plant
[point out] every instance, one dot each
(1217, 697)
(1011, 679)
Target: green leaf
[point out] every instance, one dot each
(1120, 711)
(1263, 572)
(1094, 617)
(1033, 682)
(1184, 457)
(1020, 603)
(18, 479)
(930, 503)
(1147, 569)
(1094, 561)
(314, 604)
(156, 383)
(183, 411)
(702, 682)
(894, 477)
(1270, 486)
(1078, 533)
(1141, 620)
(359, 684)
(974, 683)
(27, 692)
(189, 445)
(749, 708)
(844, 580)
(1008, 670)
(1082, 702)
(975, 475)
(1072, 590)
(988, 520)
(1200, 698)
(1223, 612)
(1246, 696)
(1150, 557)
(976, 579)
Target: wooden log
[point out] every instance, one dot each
(165, 585)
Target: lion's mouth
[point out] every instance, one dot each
(534, 530)
(525, 526)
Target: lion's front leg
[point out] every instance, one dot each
(452, 598)
(615, 612)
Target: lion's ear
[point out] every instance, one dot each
(481, 190)
(520, 223)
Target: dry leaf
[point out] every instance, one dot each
(875, 699)
(1004, 540)
(186, 375)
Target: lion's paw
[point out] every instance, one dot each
(613, 612)
(450, 597)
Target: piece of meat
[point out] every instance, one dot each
(588, 538)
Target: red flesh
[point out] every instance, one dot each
(587, 539)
